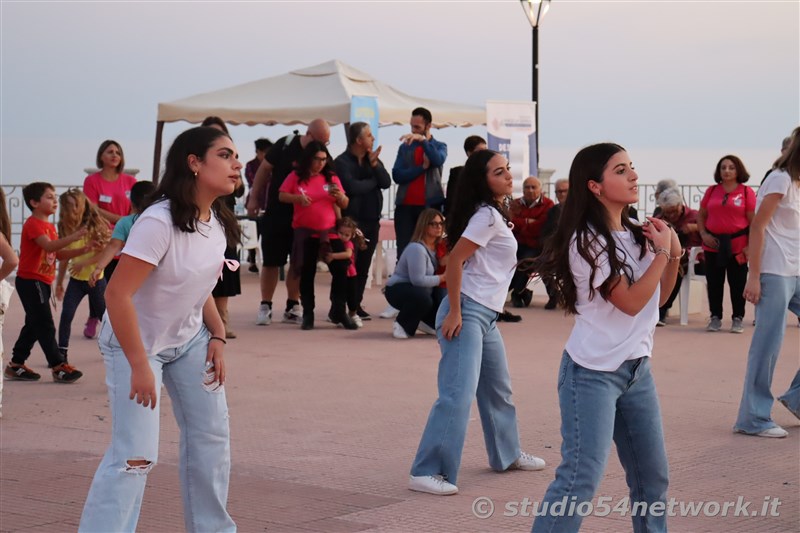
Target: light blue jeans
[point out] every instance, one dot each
(115, 496)
(596, 409)
(472, 364)
(778, 293)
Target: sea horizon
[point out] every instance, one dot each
(62, 163)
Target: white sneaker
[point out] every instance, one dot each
(526, 461)
(432, 485)
(389, 312)
(293, 315)
(264, 317)
(425, 328)
(357, 320)
(776, 433)
(398, 332)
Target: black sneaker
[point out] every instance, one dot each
(551, 304)
(526, 297)
(65, 373)
(343, 320)
(516, 300)
(15, 372)
(505, 316)
(363, 315)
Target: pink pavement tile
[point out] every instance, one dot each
(325, 425)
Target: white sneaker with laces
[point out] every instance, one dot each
(398, 332)
(426, 329)
(526, 461)
(432, 485)
(389, 312)
(264, 317)
(357, 320)
(293, 315)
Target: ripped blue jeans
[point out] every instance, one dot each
(115, 497)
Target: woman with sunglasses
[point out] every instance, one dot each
(723, 221)
(414, 285)
(318, 199)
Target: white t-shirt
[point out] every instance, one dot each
(169, 304)
(488, 272)
(781, 253)
(603, 336)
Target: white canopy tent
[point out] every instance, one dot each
(300, 96)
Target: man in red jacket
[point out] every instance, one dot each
(528, 214)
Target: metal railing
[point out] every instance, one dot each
(692, 194)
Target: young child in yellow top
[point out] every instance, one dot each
(77, 212)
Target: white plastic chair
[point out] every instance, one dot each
(249, 240)
(686, 283)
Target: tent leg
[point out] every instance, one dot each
(157, 151)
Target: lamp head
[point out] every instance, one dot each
(535, 10)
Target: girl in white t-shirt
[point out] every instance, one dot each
(162, 325)
(480, 266)
(613, 281)
(773, 286)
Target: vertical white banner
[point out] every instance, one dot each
(365, 109)
(511, 130)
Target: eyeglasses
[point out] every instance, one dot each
(529, 187)
(436, 224)
(562, 191)
(725, 198)
(320, 159)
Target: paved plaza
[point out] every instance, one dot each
(325, 424)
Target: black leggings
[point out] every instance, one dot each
(308, 272)
(715, 279)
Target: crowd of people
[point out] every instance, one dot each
(462, 255)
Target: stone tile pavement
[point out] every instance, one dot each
(325, 424)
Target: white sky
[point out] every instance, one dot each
(678, 83)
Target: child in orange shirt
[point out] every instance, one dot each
(39, 249)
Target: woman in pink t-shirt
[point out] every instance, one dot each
(318, 198)
(110, 189)
(723, 222)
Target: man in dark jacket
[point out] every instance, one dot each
(473, 143)
(364, 178)
(418, 174)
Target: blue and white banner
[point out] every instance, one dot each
(365, 109)
(511, 130)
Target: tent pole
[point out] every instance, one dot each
(157, 154)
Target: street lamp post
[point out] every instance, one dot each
(535, 11)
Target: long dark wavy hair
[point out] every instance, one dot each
(304, 162)
(790, 161)
(178, 184)
(472, 191)
(585, 219)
